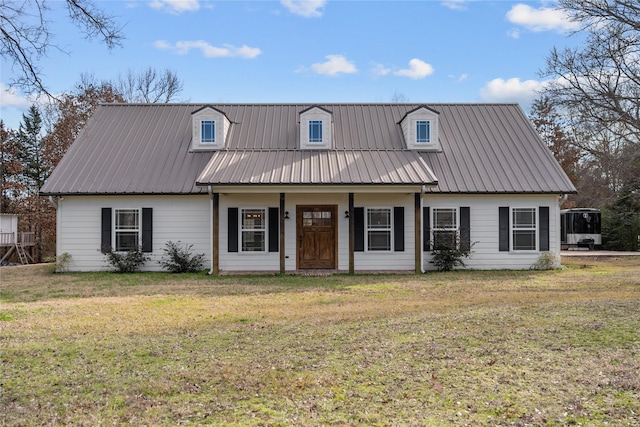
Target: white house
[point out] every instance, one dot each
(291, 187)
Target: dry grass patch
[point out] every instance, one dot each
(460, 348)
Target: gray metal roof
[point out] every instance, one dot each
(145, 149)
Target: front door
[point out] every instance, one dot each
(317, 236)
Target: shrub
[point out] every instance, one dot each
(62, 262)
(180, 259)
(126, 262)
(547, 261)
(448, 255)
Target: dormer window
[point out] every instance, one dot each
(209, 129)
(208, 134)
(315, 128)
(315, 131)
(420, 129)
(423, 131)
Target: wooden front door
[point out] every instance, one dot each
(317, 236)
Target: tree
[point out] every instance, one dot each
(149, 86)
(26, 34)
(10, 169)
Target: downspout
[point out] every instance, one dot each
(210, 190)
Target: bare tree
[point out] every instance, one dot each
(26, 35)
(150, 86)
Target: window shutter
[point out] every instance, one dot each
(543, 215)
(105, 240)
(232, 228)
(274, 230)
(147, 229)
(465, 229)
(398, 229)
(503, 227)
(358, 229)
(426, 229)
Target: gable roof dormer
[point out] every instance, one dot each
(420, 128)
(316, 128)
(209, 128)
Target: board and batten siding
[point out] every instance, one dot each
(175, 218)
(484, 216)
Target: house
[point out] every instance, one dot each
(289, 187)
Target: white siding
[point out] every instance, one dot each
(175, 218)
(484, 228)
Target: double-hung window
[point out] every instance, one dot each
(127, 229)
(253, 230)
(523, 228)
(315, 131)
(208, 131)
(379, 229)
(445, 228)
(423, 131)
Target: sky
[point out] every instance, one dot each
(314, 51)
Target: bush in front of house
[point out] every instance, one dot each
(179, 258)
(448, 254)
(126, 262)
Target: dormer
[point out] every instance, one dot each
(209, 129)
(316, 128)
(420, 129)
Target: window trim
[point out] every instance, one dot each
(427, 124)
(513, 229)
(242, 230)
(368, 229)
(213, 134)
(316, 124)
(116, 230)
(435, 228)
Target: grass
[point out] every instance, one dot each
(459, 348)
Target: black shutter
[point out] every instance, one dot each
(358, 229)
(465, 229)
(503, 227)
(543, 213)
(426, 229)
(274, 230)
(398, 229)
(232, 230)
(105, 240)
(147, 230)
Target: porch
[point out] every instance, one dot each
(17, 242)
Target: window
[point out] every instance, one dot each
(523, 225)
(379, 229)
(253, 230)
(208, 134)
(127, 229)
(423, 131)
(445, 228)
(315, 130)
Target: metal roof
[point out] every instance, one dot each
(145, 149)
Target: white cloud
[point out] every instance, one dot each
(455, 4)
(460, 78)
(306, 8)
(209, 51)
(511, 90)
(379, 70)
(542, 19)
(9, 98)
(418, 69)
(175, 6)
(335, 64)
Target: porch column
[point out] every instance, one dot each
(282, 254)
(417, 233)
(215, 235)
(351, 236)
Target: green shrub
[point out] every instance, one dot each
(126, 262)
(547, 261)
(180, 259)
(448, 255)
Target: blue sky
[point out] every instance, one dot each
(315, 51)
